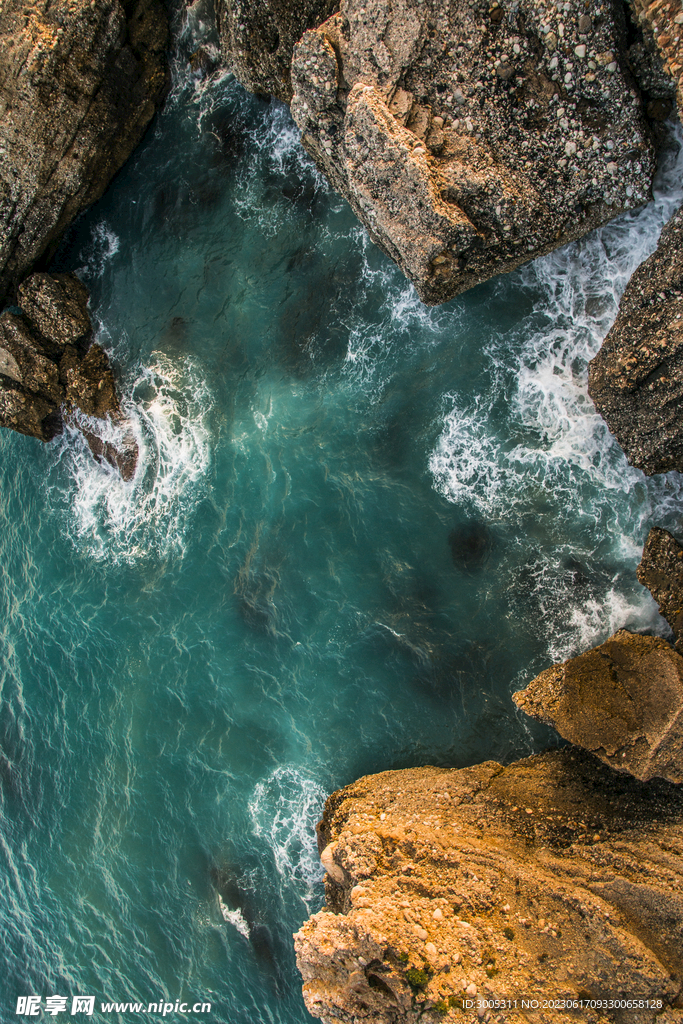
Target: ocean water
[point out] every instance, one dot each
(357, 526)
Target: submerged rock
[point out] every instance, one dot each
(622, 701)
(472, 138)
(50, 371)
(470, 545)
(661, 571)
(636, 379)
(257, 39)
(552, 879)
(80, 83)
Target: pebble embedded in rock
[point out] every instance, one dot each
(585, 24)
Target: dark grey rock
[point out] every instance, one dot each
(661, 571)
(636, 379)
(257, 39)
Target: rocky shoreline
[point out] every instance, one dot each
(468, 139)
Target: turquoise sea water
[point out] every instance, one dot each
(357, 526)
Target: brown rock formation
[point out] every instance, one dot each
(552, 879)
(636, 379)
(257, 39)
(623, 701)
(662, 20)
(50, 371)
(79, 82)
(472, 138)
(661, 571)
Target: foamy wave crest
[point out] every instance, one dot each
(109, 518)
(284, 810)
(103, 246)
(589, 622)
(234, 917)
(553, 439)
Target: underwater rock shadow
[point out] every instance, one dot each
(238, 903)
(471, 544)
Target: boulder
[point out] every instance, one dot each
(50, 371)
(470, 138)
(79, 83)
(554, 880)
(636, 379)
(661, 571)
(622, 701)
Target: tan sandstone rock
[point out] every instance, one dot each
(623, 701)
(552, 879)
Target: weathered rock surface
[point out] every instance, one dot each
(552, 879)
(470, 138)
(636, 379)
(50, 372)
(661, 20)
(661, 571)
(623, 701)
(258, 37)
(79, 82)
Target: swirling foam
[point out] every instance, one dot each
(167, 411)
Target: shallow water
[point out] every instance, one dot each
(357, 526)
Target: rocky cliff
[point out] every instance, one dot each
(661, 571)
(636, 379)
(552, 879)
(79, 83)
(470, 138)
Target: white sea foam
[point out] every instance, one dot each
(550, 454)
(587, 623)
(104, 245)
(553, 432)
(167, 408)
(278, 154)
(234, 917)
(284, 810)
